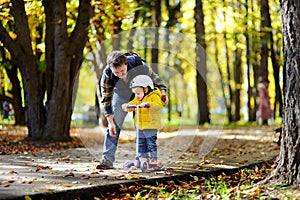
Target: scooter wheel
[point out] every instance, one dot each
(128, 164)
(144, 166)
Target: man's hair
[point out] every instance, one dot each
(116, 59)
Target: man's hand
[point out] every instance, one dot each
(111, 126)
(124, 106)
(164, 97)
(112, 130)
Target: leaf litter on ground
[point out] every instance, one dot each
(239, 185)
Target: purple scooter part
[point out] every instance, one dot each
(138, 106)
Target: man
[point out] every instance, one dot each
(115, 89)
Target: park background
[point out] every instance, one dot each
(211, 54)
(215, 51)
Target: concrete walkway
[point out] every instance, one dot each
(72, 174)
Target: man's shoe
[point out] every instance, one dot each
(104, 164)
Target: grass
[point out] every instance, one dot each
(240, 185)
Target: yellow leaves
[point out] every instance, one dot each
(195, 178)
(132, 176)
(27, 198)
(110, 14)
(253, 192)
(12, 35)
(94, 176)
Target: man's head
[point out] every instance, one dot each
(117, 61)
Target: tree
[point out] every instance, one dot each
(157, 21)
(13, 95)
(201, 64)
(287, 166)
(48, 93)
(237, 66)
(264, 52)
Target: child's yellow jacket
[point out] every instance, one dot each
(149, 118)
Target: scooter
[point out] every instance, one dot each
(137, 162)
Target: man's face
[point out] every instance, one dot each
(120, 71)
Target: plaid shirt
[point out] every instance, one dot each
(110, 83)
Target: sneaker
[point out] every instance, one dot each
(156, 163)
(153, 162)
(105, 164)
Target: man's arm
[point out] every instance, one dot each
(106, 86)
(160, 84)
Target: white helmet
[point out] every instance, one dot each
(142, 81)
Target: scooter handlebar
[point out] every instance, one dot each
(138, 106)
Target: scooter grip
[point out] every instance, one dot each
(131, 106)
(135, 106)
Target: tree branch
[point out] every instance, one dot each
(80, 31)
(11, 45)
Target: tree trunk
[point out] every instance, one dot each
(31, 76)
(172, 11)
(229, 80)
(269, 37)
(274, 59)
(238, 82)
(63, 60)
(264, 51)
(229, 98)
(251, 95)
(16, 90)
(217, 54)
(154, 60)
(137, 12)
(116, 38)
(17, 96)
(288, 162)
(68, 59)
(201, 64)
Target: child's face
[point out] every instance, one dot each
(138, 92)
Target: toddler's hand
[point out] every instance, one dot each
(144, 105)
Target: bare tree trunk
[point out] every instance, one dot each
(229, 80)
(251, 94)
(156, 36)
(201, 64)
(274, 59)
(31, 76)
(238, 82)
(229, 98)
(16, 90)
(98, 59)
(217, 55)
(133, 30)
(264, 51)
(172, 11)
(17, 96)
(167, 46)
(288, 161)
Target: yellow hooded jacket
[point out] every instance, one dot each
(149, 118)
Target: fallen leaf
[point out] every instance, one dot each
(71, 174)
(27, 198)
(12, 172)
